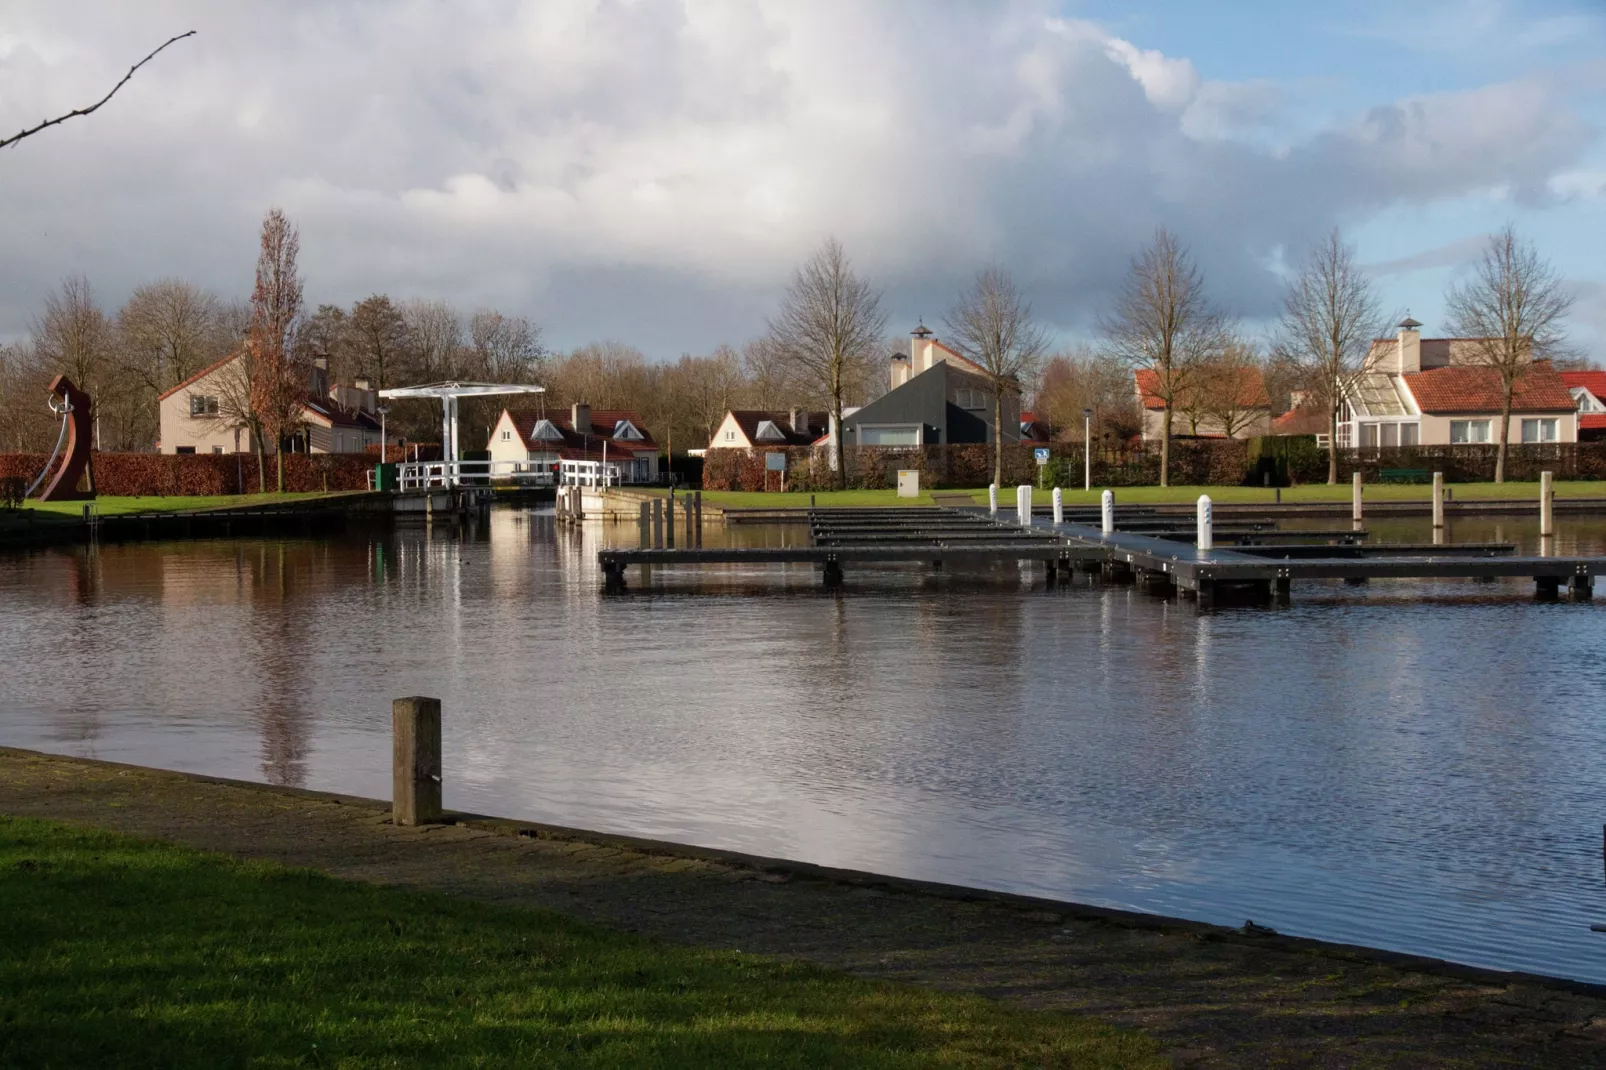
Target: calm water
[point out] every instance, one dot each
(1419, 766)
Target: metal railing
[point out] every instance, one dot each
(426, 475)
(590, 474)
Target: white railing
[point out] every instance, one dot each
(424, 475)
(590, 474)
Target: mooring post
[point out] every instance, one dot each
(669, 520)
(1023, 505)
(1204, 539)
(1059, 506)
(645, 526)
(1581, 587)
(1547, 505)
(657, 523)
(992, 499)
(1355, 498)
(1107, 512)
(416, 761)
(1438, 507)
(697, 508)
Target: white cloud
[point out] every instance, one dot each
(653, 171)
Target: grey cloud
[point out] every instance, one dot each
(652, 172)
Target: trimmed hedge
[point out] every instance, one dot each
(159, 474)
(1202, 462)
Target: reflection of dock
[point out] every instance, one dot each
(1155, 550)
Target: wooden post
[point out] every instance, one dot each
(669, 520)
(1438, 505)
(1355, 498)
(1547, 505)
(644, 526)
(416, 761)
(697, 508)
(657, 523)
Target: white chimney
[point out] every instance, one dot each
(580, 418)
(921, 344)
(1409, 349)
(800, 421)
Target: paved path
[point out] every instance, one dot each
(1214, 997)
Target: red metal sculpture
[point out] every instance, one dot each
(76, 411)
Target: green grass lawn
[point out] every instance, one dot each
(120, 952)
(110, 506)
(1318, 492)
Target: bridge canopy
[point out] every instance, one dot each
(449, 393)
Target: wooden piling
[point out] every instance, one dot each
(697, 509)
(1438, 506)
(657, 523)
(644, 526)
(669, 520)
(416, 761)
(1547, 505)
(1355, 497)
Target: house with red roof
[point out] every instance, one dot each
(743, 429)
(1229, 403)
(541, 439)
(1589, 393)
(1436, 392)
(195, 415)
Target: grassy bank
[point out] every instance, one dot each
(1376, 492)
(112, 506)
(129, 953)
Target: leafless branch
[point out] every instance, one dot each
(86, 111)
(991, 325)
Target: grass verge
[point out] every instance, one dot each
(111, 506)
(131, 953)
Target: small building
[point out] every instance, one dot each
(755, 428)
(195, 415)
(1436, 392)
(1588, 390)
(541, 439)
(936, 397)
(1232, 404)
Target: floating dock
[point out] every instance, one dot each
(1258, 564)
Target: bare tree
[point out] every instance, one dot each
(1230, 390)
(167, 331)
(1080, 379)
(278, 379)
(326, 335)
(1163, 323)
(1330, 316)
(379, 338)
(1511, 311)
(702, 390)
(76, 112)
(769, 375)
(73, 337)
(830, 321)
(507, 349)
(991, 325)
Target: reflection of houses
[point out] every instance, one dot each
(1231, 403)
(936, 397)
(1434, 392)
(194, 414)
(748, 428)
(1588, 390)
(542, 439)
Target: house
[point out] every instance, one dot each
(750, 428)
(541, 439)
(1230, 403)
(194, 414)
(1434, 392)
(937, 397)
(1305, 416)
(1589, 392)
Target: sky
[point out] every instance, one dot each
(652, 171)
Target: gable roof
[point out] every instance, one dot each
(603, 424)
(1301, 421)
(198, 376)
(339, 415)
(1594, 382)
(749, 419)
(1472, 388)
(1251, 389)
(959, 358)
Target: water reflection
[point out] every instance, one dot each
(1405, 764)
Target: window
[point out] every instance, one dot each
(730, 436)
(1410, 434)
(905, 435)
(1463, 432)
(184, 449)
(768, 432)
(546, 431)
(971, 399)
(1368, 434)
(1539, 430)
(217, 449)
(507, 436)
(1388, 434)
(624, 429)
(201, 405)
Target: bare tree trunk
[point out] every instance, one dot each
(1332, 446)
(279, 457)
(836, 409)
(1165, 447)
(998, 435)
(262, 464)
(1505, 434)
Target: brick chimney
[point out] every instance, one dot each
(580, 418)
(1410, 347)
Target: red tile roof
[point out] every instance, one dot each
(603, 422)
(197, 377)
(1592, 422)
(1304, 421)
(1462, 388)
(1251, 390)
(1594, 382)
(817, 424)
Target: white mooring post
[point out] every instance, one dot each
(992, 498)
(1205, 540)
(1547, 505)
(1107, 512)
(1023, 505)
(1438, 505)
(1355, 496)
(1059, 506)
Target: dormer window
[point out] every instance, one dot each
(768, 432)
(626, 430)
(546, 431)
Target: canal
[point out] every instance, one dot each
(1411, 765)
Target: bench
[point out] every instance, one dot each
(1404, 475)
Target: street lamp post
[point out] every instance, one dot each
(384, 442)
(1087, 449)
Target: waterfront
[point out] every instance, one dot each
(1406, 765)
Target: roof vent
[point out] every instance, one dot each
(1409, 324)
